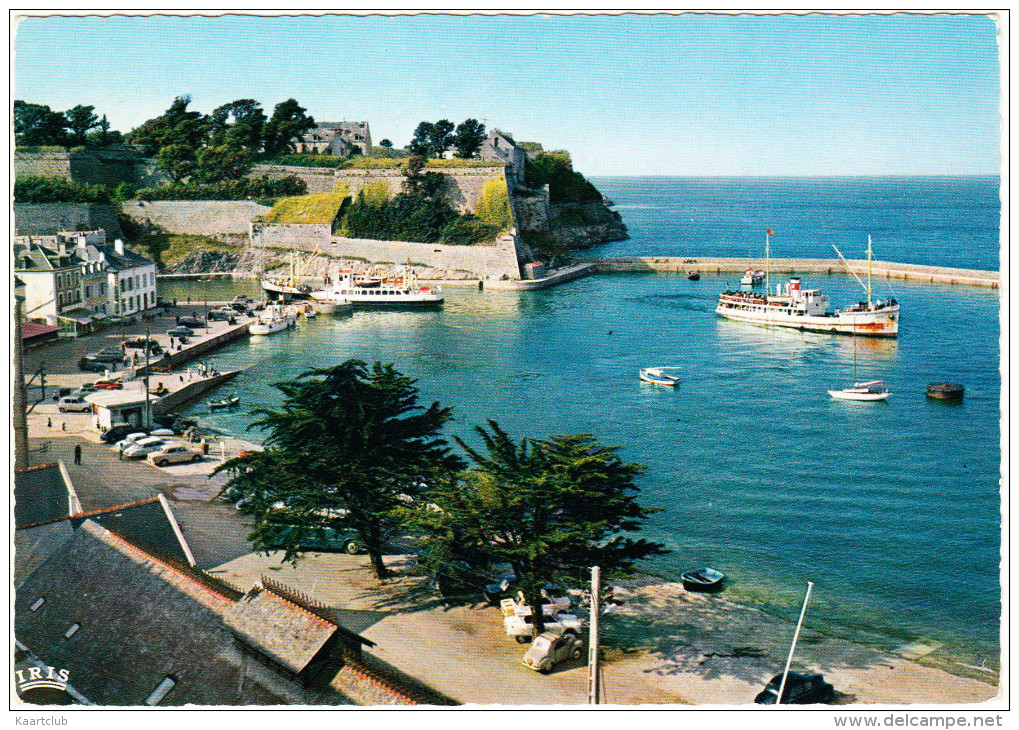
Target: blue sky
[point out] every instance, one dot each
(626, 95)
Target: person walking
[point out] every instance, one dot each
(77, 453)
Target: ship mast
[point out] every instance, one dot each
(767, 263)
(868, 271)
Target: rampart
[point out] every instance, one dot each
(109, 167)
(463, 184)
(214, 218)
(45, 219)
(486, 261)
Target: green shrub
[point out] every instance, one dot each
(555, 169)
(47, 189)
(466, 230)
(248, 189)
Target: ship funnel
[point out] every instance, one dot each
(794, 284)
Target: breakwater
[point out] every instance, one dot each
(880, 269)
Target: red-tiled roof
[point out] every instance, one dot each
(35, 329)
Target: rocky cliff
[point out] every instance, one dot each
(546, 228)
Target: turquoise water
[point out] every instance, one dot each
(892, 509)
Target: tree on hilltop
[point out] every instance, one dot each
(239, 124)
(551, 508)
(289, 120)
(421, 143)
(37, 124)
(470, 134)
(80, 119)
(346, 448)
(176, 126)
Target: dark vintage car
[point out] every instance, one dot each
(800, 689)
(91, 365)
(192, 322)
(221, 315)
(318, 539)
(108, 354)
(180, 332)
(116, 432)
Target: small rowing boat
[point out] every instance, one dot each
(658, 376)
(230, 402)
(945, 391)
(703, 580)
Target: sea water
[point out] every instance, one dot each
(891, 509)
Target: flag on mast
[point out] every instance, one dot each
(771, 232)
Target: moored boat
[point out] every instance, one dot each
(703, 580)
(387, 293)
(945, 391)
(752, 279)
(230, 402)
(658, 376)
(274, 318)
(873, 390)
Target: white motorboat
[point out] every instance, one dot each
(752, 279)
(658, 376)
(275, 318)
(387, 293)
(807, 309)
(870, 391)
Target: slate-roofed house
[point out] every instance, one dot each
(52, 278)
(499, 145)
(338, 139)
(131, 278)
(134, 628)
(43, 493)
(149, 524)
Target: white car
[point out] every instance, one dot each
(521, 626)
(144, 447)
(173, 454)
(74, 404)
(130, 440)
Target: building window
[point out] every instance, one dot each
(161, 690)
(37, 605)
(72, 631)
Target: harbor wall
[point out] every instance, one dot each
(189, 391)
(880, 269)
(189, 353)
(214, 218)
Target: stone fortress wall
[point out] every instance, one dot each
(45, 219)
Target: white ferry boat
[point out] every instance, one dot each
(807, 309)
(402, 292)
(275, 318)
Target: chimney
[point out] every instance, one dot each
(118, 246)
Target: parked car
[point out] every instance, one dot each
(108, 354)
(192, 322)
(180, 332)
(116, 432)
(223, 314)
(520, 624)
(126, 319)
(551, 596)
(239, 307)
(549, 649)
(140, 343)
(318, 539)
(130, 440)
(87, 388)
(173, 454)
(164, 303)
(144, 447)
(800, 689)
(242, 299)
(74, 404)
(108, 384)
(91, 365)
